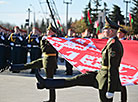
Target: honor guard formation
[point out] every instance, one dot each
(16, 43)
(22, 49)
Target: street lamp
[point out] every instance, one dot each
(67, 3)
(127, 1)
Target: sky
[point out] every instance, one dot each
(15, 11)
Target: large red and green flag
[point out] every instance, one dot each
(82, 19)
(60, 26)
(89, 18)
(85, 55)
(97, 27)
(130, 20)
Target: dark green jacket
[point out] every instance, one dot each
(111, 57)
(46, 47)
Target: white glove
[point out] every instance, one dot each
(109, 95)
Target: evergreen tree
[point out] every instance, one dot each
(134, 12)
(105, 8)
(97, 5)
(36, 24)
(93, 14)
(116, 15)
(69, 23)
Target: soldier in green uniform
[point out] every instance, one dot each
(106, 79)
(121, 35)
(48, 62)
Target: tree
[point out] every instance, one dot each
(78, 26)
(134, 12)
(69, 23)
(105, 8)
(93, 14)
(97, 5)
(116, 15)
(7, 25)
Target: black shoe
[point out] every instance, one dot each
(15, 71)
(40, 80)
(49, 101)
(32, 71)
(17, 67)
(8, 65)
(67, 73)
(39, 85)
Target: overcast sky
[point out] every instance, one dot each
(15, 11)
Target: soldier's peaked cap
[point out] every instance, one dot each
(110, 24)
(122, 30)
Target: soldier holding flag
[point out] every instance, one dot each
(107, 79)
(48, 61)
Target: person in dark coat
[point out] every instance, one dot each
(33, 44)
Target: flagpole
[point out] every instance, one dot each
(67, 3)
(126, 9)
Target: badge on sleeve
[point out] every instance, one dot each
(112, 54)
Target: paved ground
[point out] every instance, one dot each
(21, 88)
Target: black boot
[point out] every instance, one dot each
(17, 67)
(52, 95)
(49, 83)
(124, 94)
(8, 64)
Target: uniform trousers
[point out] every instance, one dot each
(49, 63)
(87, 79)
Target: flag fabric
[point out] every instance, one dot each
(97, 27)
(85, 55)
(60, 26)
(89, 18)
(82, 19)
(130, 20)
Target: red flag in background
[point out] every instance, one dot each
(97, 27)
(82, 18)
(60, 26)
(89, 17)
(130, 20)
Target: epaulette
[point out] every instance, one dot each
(113, 41)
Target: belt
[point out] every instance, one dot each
(1, 44)
(17, 44)
(35, 46)
(104, 67)
(51, 54)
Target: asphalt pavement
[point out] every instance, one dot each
(21, 87)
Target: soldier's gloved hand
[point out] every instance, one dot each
(109, 95)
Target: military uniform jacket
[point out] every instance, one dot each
(109, 73)
(17, 40)
(33, 41)
(46, 47)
